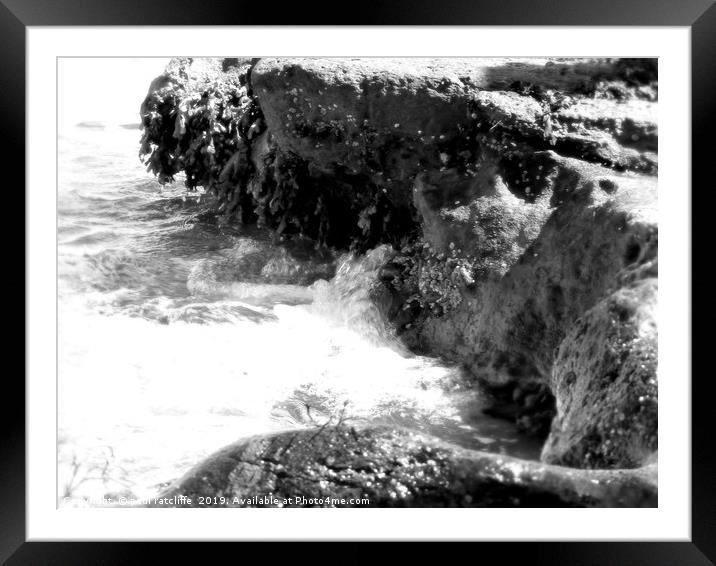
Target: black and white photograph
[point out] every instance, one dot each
(357, 282)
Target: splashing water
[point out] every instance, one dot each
(177, 336)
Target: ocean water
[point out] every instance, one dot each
(178, 336)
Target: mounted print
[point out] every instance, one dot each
(361, 283)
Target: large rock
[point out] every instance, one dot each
(519, 195)
(604, 380)
(536, 264)
(330, 466)
(395, 117)
(541, 264)
(353, 134)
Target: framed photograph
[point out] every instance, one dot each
(392, 278)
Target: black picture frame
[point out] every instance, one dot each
(699, 15)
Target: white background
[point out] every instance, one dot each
(104, 91)
(670, 521)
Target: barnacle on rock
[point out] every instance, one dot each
(432, 282)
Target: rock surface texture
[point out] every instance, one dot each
(519, 197)
(396, 468)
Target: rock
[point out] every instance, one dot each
(519, 197)
(632, 122)
(353, 134)
(335, 111)
(605, 382)
(191, 75)
(621, 135)
(328, 467)
(396, 116)
(520, 113)
(540, 264)
(478, 215)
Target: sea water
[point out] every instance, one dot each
(161, 362)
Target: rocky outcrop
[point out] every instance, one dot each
(537, 265)
(354, 133)
(395, 116)
(519, 197)
(537, 268)
(335, 466)
(604, 380)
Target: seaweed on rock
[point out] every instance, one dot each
(216, 137)
(199, 133)
(511, 192)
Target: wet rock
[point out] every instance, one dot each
(397, 117)
(328, 467)
(605, 382)
(540, 265)
(190, 75)
(352, 135)
(477, 215)
(510, 110)
(618, 134)
(519, 197)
